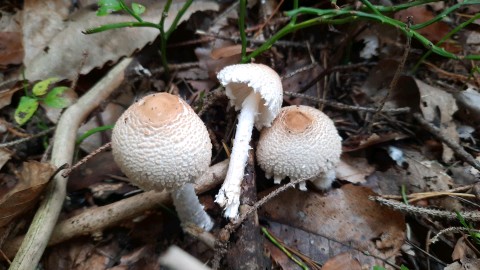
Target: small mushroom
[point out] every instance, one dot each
(256, 90)
(302, 143)
(160, 143)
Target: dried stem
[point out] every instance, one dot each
(95, 219)
(44, 221)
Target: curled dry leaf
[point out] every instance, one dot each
(353, 169)
(33, 179)
(64, 53)
(343, 215)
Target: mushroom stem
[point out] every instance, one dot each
(189, 209)
(229, 195)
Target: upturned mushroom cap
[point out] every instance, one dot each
(302, 143)
(240, 80)
(159, 142)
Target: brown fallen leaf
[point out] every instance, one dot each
(342, 261)
(33, 179)
(353, 169)
(5, 155)
(420, 14)
(11, 48)
(343, 215)
(63, 53)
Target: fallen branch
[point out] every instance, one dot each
(41, 228)
(95, 219)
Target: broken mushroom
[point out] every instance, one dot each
(302, 143)
(160, 143)
(255, 90)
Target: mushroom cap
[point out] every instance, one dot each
(302, 143)
(240, 80)
(159, 142)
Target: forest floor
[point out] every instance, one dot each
(399, 80)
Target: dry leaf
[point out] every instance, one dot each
(6, 96)
(345, 215)
(462, 250)
(64, 53)
(42, 20)
(342, 261)
(5, 155)
(438, 107)
(353, 169)
(420, 14)
(11, 49)
(33, 179)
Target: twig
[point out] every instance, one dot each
(96, 219)
(331, 70)
(102, 148)
(44, 221)
(456, 147)
(415, 210)
(278, 43)
(346, 107)
(395, 78)
(22, 140)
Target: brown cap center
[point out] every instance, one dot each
(159, 108)
(297, 121)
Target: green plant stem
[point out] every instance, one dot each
(130, 11)
(241, 27)
(119, 25)
(179, 15)
(91, 132)
(163, 37)
(371, 7)
(282, 248)
(447, 36)
(350, 16)
(293, 21)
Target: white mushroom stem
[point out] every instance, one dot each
(229, 195)
(189, 209)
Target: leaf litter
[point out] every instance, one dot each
(348, 64)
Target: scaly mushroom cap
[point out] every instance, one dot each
(302, 143)
(159, 142)
(240, 80)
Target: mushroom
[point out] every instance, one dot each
(160, 143)
(302, 143)
(257, 90)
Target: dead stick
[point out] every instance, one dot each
(41, 228)
(95, 219)
(456, 147)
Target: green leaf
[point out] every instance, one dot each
(25, 110)
(403, 267)
(138, 9)
(106, 7)
(40, 88)
(54, 98)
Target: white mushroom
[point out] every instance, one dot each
(257, 90)
(302, 143)
(160, 143)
